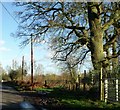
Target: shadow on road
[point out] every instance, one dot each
(11, 106)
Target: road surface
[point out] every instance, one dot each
(10, 99)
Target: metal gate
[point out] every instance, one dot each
(112, 89)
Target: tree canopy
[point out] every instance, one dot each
(74, 29)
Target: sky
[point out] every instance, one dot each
(10, 49)
(9, 46)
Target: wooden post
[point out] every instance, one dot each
(116, 87)
(45, 83)
(22, 67)
(92, 80)
(66, 85)
(106, 90)
(101, 85)
(31, 60)
(79, 80)
(77, 83)
(84, 84)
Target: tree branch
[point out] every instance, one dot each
(112, 20)
(79, 59)
(114, 56)
(75, 27)
(108, 43)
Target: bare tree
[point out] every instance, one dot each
(74, 28)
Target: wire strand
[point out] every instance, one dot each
(15, 21)
(9, 13)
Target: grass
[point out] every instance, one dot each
(89, 104)
(44, 89)
(48, 89)
(76, 99)
(80, 99)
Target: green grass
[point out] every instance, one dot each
(77, 99)
(80, 99)
(48, 89)
(89, 104)
(44, 89)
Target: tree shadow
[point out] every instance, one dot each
(76, 100)
(52, 100)
(71, 94)
(11, 106)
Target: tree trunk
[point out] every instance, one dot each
(96, 37)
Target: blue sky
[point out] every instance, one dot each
(9, 46)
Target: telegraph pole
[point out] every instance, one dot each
(22, 67)
(31, 60)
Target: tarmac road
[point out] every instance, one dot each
(10, 99)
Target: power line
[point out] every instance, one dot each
(14, 20)
(9, 13)
(19, 53)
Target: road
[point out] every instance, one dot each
(10, 99)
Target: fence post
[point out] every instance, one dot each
(45, 83)
(79, 80)
(92, 80)
(101, 85)
(84, 83)
(116, 88)
(106, 90)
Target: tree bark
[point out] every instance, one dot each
(96, 34)
(96, 38)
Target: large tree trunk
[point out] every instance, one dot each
(96, 38)
(97, 53)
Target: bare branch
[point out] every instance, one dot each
(75, 27)
(113, 56)
(112, 40)
(112, 20)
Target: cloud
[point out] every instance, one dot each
(50, 54)
(2, 42)
(2, 47)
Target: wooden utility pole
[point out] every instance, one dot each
(31, 60)
(22, 67)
